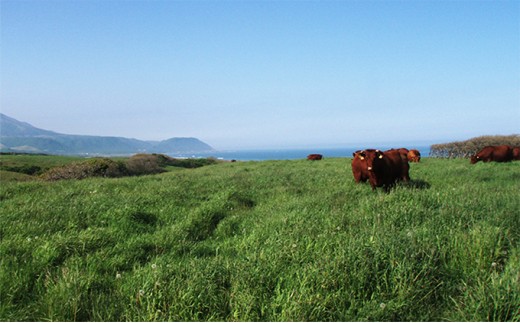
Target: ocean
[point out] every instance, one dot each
(285, 154)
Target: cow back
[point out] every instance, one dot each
(402, 151)
(315, 157)
(398, 165)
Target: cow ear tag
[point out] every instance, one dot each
(361, 157)
(380, 156)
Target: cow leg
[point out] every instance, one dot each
(357, 177)
(373, 184)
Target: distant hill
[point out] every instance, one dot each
(14, 128)
(20, 136)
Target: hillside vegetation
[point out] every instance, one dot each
(264, 241)
(467, 148)
(52, 168)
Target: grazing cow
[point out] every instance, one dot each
(500, 154)
(359, 167)
(414, 156)
(315, 157)
(516, 153)
(385, 168)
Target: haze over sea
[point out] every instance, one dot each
(287, 154)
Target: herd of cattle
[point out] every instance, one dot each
(385, 168)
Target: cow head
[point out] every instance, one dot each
(372, 157)
(474, 159)
(414, 156)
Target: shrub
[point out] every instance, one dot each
(140, 164)
(23, 169)
(96, 167)
(143, 164)
(192, 162)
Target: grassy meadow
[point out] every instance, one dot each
(264, 241)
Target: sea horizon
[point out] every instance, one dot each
(284, 154)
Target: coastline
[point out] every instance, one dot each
(286, 154)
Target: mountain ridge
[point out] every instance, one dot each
(19, 136)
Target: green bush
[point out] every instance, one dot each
(192, 162)
(96, 167)
(144, 164)
(23, 169)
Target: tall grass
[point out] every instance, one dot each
(265, 241)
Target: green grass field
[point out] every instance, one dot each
(264, 241)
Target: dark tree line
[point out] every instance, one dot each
(467, 148)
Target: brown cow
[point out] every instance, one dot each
(385, 168)
(516, 153)
(405, 167)
(315, 157)
(500, 154)
(359, 167)
(403, 151)
(414, 156)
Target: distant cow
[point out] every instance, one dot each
(414, 156)
(359, 167)
(315, 157)
(500, 154)
(516, 153)
(384, 168)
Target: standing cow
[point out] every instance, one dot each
(500, 154)
(384, 168)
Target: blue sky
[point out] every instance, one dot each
(264, 74)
